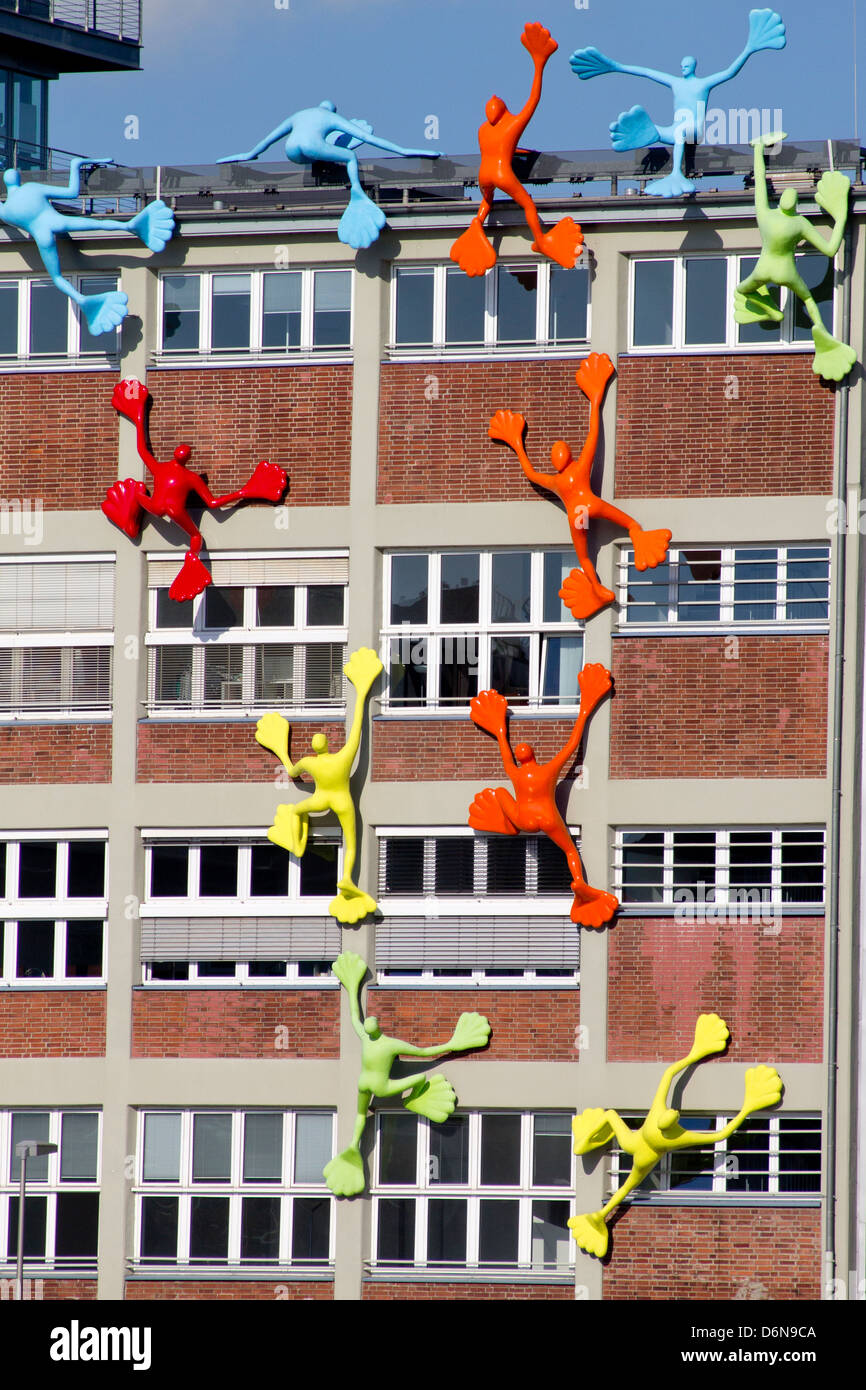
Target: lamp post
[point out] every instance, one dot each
(27, 1148)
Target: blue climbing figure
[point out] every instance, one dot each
(29, 207)
(634, 128)
(319, 133)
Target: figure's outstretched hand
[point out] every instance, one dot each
(537, 41)
(593, 374)
(595, 681)
(766, 30)
(590, 62)
(832, 194)
(472, 1030)
(362, 668)
(763, 142)
(507, 426)
(267, 484)
(272, 732)
(763, 1088)
(129, 398)
(237, 158)
(489, 710)
(350, 970)
(711, 1035)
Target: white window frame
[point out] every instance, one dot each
(254, 353)
(731, 344)
(104, 358)
(726, 620)
(52, 1188)
(423, 1189)
(184, 1188)
(59, 909)
(542, 344)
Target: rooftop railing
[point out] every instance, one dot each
(118, 19)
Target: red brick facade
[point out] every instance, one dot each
(681, 431)
(719, 707)
(444, 750)
(275, 1024)
(55, 753)
(299, 417)
(58, 438)
(526, 1025)
(218, 752)
(52, 1023)
(665, 1253)
(764, 978)
(400, 1291)
(206, 1290)
(438, 449)
(59, 1290)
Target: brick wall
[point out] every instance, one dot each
(699, 1253)
(58, 438)
(438, 450)
(57, 1290)
(768, 988)
(527, 1025)
(204, 1290)
(299, 417)
(684, 710)
(403, 1291)
(52, 1023)
(433, 750)
(55, 753)
(678, 436)
(219, 752)
(235, 1023)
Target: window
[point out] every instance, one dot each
(743, 867)
(774, 1159)
(258, 313)
(739, 586)
(471, 866)
(459, 622)
(224, 910)
(269, 633)
(56, 635)
(234, 1187)
(517, 307)
(688, 302)
(478, 1192)
(54, 908)
(38, 322)
(61, 1209)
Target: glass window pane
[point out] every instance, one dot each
(449, 1150)
(802, 866)
(83, 950)
(404, 865)
(211, 1148)
(653, 303)
(558, 564)
(643, 867)
(49, 319)
(281, 319)
(311, 1228)
(101, 345)
(269, 872)
(510, 599)
(459, 593)
(223, 675)
(161, 1148)
(500, 1150)
(398, 1148)
(325, 605)
(79, 1139)
(332, 317)
(554, 875)
(550, 1235)
(808, 584)
(747, 1158)
(817, 272)
(706, 299)
(751, 862)
(755, 585)
(77, 1225)
(35, 956)
(396, 1240)
(159, 1228)
(498, 1233)
(32, 1125)
(464, 307)
(454, 860)
(35, 1223)
(169, 869)
(173, 675)
(551, 1151)
(414, 289)
(313, 1146)
(180, 317)
(9, 319)
(275, 605)
(171, 613)
(509, 667)
(86, 877)
(695, 865)
(408, 670)
(569, 298)
(562, 659)
(319, 869)
(408, 588)
(263, 1147)
(699, 586)
(516, 301)
(765, 331)
(446, 1230)
(648, 595)
(37, 869)
(218, 871)
(692, 1169)
(799, 1154)
(209, 1228)
(260, 1228)
(506, 866)
(223, 607)
(458, 668)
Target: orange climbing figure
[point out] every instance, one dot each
(535, 787)
(582, 591)
(497, 139)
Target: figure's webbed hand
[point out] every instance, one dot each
(508, 427)
(766, 30)
(763, 1088)
(472, 1030)
(590, 62)
(832, 194)
(129, 399)
(711, 1035)
(362, 668)
(595, 681)
(489, 710)
(350, 970)
(537, 41)
(272, 732)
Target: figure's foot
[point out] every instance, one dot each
(650, 547)
(351, 903)
(105, 312)
(590, 1232)
(633, 129)
(290, 830)
(590, 1130)
(671, 186)
(129, 399)
(507, 426)
(833, 359)
(121, 505)
(272, 732)
(485, 813)
(192, 580)
(267, 484)
(592, 907)
(758, 306)
(593, 374)
(472, 251)
(582, 598)
(433, 1097)
(763, 1088)
(362, 221)
(711, 1035)
(154, 225)
(562, 243)
(345, 1173)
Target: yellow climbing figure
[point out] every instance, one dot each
(331, 773)
(660, 1131)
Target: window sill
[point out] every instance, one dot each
(729, 1199)
(323, 357)
(507, 352)
(231, 714)
(409, 982)
(717, 349)
(20, 365)
(466, 1274)
(247, 986)
(391, 713)
(733, 912)
(265, 1273)
(65, 716)
(723, 629)
(28, 986)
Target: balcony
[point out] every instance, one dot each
(54, 36)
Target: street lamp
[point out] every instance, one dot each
(28, 1148)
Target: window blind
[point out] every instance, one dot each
(65, 596)
(239, 938)
(477, 943)
(259, 570)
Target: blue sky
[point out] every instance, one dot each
(219, 74)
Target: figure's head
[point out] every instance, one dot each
(668, 1118)
(372, 1029)
(560, 455)
(11, 178)
(788, 200)
(524, 753)
(688, 66)
(495, 109)
(327, 106)
(182, 453)
(319, 743)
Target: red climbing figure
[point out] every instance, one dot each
(582, 591)
(535, 788)
(497, 140)
(173, 486)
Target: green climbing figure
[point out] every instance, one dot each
(782, 229)
(431, 1096)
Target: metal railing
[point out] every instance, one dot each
(119, 19)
